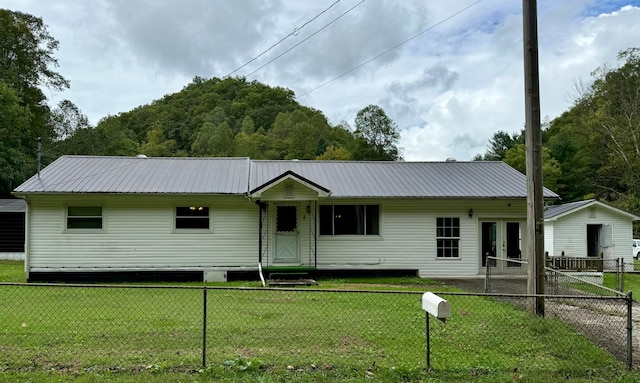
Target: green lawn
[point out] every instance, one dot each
(119, 334)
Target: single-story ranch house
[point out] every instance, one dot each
(216, 218)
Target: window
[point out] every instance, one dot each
(349, 220)
(448, 237)
(192, 217)
(84, 217)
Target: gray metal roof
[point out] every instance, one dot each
(344, 179)
(475, 179)
(12, 205)
(556, 210)
(153, 175)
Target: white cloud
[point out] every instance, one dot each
(448, 89)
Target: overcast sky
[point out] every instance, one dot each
(449, 89)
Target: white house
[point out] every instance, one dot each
(12, 229)
(588, 229)
(220, 217)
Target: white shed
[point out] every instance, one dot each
(588, 229)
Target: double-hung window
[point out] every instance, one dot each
(192, 217)
(448, 237)
(349, 220)
(84, 217)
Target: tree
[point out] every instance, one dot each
(377, 136)
(14, 121)
(66, 118)
(27, 53)
(27, 63)
(610, 127)
(335, 154)
(516, 157)
(499, 144)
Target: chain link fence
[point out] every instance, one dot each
(134, 328)
(577, 298)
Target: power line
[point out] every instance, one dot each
(310, 36)
(295, 32)
(391, 49)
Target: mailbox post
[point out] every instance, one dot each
(439, 308)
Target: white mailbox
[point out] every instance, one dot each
(436, 306)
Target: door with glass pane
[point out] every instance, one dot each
(287, 234)
(503, 240)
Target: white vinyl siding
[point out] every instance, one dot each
(140, 234)
(408, 237)
(569, 233)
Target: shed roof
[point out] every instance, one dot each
(344, 179)
(557, 211)
(12, 205)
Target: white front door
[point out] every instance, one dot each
(287, 234)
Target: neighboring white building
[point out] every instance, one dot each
(589, 229)
(12, 229)
(219, 217)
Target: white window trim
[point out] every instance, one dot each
(458, 238)
(85, 230)
(174, 215)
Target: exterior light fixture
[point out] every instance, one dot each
(470, 213)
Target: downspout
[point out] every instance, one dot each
(260, 244)
(315, 234)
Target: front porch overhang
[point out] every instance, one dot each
(322, 191)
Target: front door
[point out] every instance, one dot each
(501, 239)
(287, 234)
(593, 240)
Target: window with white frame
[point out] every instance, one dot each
(448, 237)
(84, 217)
(192, 217)
(349, 220)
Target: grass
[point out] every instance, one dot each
(118, 334)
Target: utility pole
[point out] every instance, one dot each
(533, 137)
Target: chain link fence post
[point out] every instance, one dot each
(204, 327)
(630, 330)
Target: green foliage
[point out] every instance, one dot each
(592, 149)
(516, 157)
(377, 136)
(244, 364)
(499, 144)
(26, 64)
(220, 118)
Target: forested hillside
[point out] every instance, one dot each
(231, 117)
(208, 117)
(593, 149)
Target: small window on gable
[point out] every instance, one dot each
(289, 191)
(192, 217)
(592, 212)
(84, 217)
